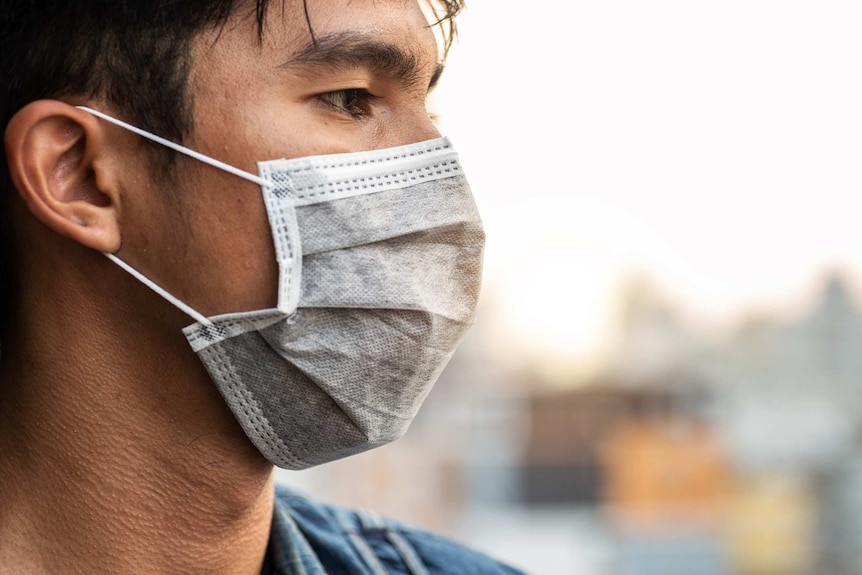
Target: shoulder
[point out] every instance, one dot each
(335, 540)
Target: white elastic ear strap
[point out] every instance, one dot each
(196, 315)
(181, 149)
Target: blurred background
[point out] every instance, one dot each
(666, 374)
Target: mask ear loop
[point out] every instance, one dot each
(196, 315)
(191, 312)
(181, 149)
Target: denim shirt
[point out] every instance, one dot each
(312, 539)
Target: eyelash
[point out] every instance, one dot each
(354, 101)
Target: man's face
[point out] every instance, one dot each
(362, 86)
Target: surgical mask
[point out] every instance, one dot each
(379, 256)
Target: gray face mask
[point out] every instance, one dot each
(379, 257)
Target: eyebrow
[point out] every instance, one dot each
(341, 51)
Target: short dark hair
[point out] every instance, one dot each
(130, 53)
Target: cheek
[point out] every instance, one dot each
(209, 245)
(230, 258)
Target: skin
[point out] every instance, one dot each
(117, 454)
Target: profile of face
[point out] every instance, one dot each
(112, 399)
(351, 76)
(311, 78)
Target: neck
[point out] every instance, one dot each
(117, 453)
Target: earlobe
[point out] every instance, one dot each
(61, 170)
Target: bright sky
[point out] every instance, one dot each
(716, 145)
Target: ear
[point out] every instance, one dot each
(62, 170)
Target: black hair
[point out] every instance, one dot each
(132, 54)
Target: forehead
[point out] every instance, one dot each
(389, 19)
(306, 32)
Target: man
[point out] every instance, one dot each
(129, 444)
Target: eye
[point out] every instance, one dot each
(354, 101)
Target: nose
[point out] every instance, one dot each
(411, 126)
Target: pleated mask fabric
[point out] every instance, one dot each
(380, 261)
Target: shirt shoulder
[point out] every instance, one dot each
(315, 539)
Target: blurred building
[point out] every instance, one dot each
(684, 455)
